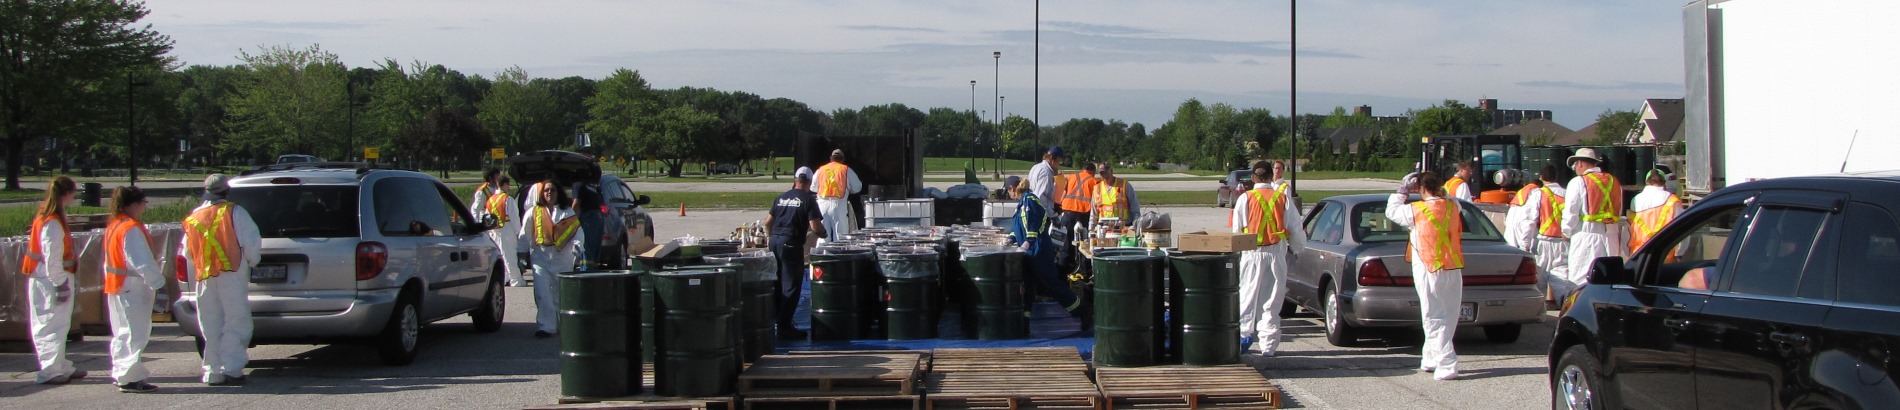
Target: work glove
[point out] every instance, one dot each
(1409, 184)
(63, 292)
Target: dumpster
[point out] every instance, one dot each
(1128, 308)
(758, 284)
(997, 272)
(1209, 314)
(914, 298)
(836, 311)
(698, 352)
(597, 341)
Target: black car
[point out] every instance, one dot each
(609, 211)
(1800, 308)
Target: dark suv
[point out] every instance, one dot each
(1800, 307)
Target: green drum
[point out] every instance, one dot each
(1128, 325)
(597, 339)
(998, 275)
(648, 319)
(1210, 307)
(758, 285)
(836, 313)
(698, 352)
(914, 298)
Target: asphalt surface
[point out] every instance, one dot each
(460, 368)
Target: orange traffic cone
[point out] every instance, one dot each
(682, 209)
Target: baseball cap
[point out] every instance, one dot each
(803, 173)
(1057, 152)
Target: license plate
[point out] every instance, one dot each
(269, 274)
(1468, 312)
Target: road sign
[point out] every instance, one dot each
(497, 153)
(371, 153)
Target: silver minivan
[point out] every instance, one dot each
(417, 257)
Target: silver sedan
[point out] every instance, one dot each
(1354, 271)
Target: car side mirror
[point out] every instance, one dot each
(489, 222)
(643, 200)
(1610, 270)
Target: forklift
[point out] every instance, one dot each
(1490, 153)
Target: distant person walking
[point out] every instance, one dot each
(835, 183)
(220, 247)
(1548, 244)
(794, 216)
(49, 265)
(549, 240)
(131, 278)
(491, 198)
(1592, 214)
(1437, 254)
(1653, 209)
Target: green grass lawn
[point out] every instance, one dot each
(1206, 198)
(16, 220)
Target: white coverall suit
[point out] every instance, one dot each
(479, 208)
(1550, 253)
(1263, 273)
(1439, 295)
(1589, 240)
(547, 262)
(223, 301)
(837, 211)
(52, 318)
(130, 310)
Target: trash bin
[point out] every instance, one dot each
(913, 297)
(597, 340)
(1210, 308)
(698, 352)
(997, 272)
(1128, 327)
(758, 283)
(89, 193)
(836, 311)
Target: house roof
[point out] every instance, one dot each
(1344, 136)
(1668, 113)
(1578, 137)
(1533, 128)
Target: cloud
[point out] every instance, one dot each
(1622, 85)
(1109, 29)
(1469, 65)
(293, 25)
(891, 28)
(1251, 62)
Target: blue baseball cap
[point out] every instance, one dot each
(1057, 152)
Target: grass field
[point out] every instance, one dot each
(1206, 198)
(670, 201)
(16, 220)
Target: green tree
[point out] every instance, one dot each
(1614, 126)
(623, 111)
(1449, 118)
(201, 105)
(519, 112)
(682, 132)
(444, 138)
(291, 101)
(58, 61)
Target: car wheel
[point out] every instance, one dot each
(1338, 332)
(1505, 333)
(397, 344)
(488, 316)
(1577, 383)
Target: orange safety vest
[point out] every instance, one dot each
(1602, 198)
(214, 248)
(34, 254)
(116, 266)
(1267, 227)
(498, 206)
(1440, 231)
(1111, 199)
(1648, 222)
(832, 180)
(1078, 192)
(1524, 194)
(1451, 186)
(548, 232)
(1550, 215)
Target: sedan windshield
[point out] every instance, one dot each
(1369, 224)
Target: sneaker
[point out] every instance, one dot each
(230, 381)
(1445, 374)
(137, 387)
(58, 380)
(543, 334)
(76, 375)
(1425, 369)
(1246, 343)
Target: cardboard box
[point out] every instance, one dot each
(661, 250)
(1226, 242)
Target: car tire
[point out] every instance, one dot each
(1577, 382)
(398, 343)
(649, 219)
(1338, 331)
(1504, 333)
(488, 316)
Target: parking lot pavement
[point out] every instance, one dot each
(1384, 374)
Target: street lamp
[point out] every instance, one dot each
(996, 88)
(131, 127)
(999, 135)
(973, 119)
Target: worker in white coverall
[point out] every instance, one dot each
(49, 264)
(132, 277)
(1651, 210)
(492, 199)
(1459, 186)
(834, 184)
(1437, 257)
(1270, 215)
(1517, 225)
(220, 247)
(548, 240)
(1544, 233)
(1592, 215)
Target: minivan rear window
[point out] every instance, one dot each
(301, 211)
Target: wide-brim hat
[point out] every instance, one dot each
(1583, 153)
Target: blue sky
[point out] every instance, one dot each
(1128, 60)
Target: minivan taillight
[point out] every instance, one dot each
(1373, 273)
(371, 257)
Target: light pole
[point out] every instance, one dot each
(999, 135)
(996, 88)
(973, 119)
(1293, 93)
(131, 129)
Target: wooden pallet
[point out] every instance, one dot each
(1189, 387)
(833, 402)
(1011, 390)
(828, 375)
(1025, 359)
(923, 356)
(647, 400)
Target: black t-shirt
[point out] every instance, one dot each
(792, 214)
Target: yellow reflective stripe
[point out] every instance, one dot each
(1443, 227)
(218, 262)
(1606, 211)
(1268, 220)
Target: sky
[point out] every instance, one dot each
(1134, 61)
